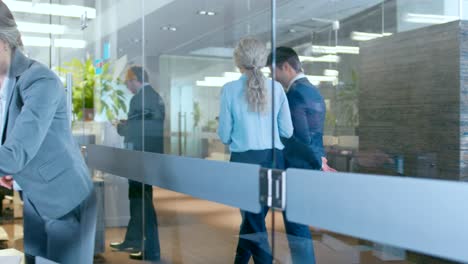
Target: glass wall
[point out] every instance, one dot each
(390, 73)
(146, 80)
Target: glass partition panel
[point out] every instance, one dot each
(141, 80)
(169, 91)
(53, 35)
(115, 119)
(189, 57)
(107, 111)
(396, 213)
(390, 74)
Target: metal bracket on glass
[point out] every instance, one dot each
(84, 152)
(273, 188)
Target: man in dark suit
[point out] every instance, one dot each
(305, 148)
(142, 131)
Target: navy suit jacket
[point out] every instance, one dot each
(305, 148)
(145, 121)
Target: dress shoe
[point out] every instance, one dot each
(123, 246)
(139, 256)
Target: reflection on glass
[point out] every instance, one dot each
(142, 131)
(305, 148)
(386, 113)
(245, 123)
(389, 73)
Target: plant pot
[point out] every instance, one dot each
(88, 114)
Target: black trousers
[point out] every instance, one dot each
(253, 236)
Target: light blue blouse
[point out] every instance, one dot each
(244, 130)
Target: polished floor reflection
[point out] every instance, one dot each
(198, 231)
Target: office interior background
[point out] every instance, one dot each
(394, 76)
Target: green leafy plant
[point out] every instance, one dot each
(211, 126)
(330, 119)
(347, 102)
(196, 114)
(87, 84)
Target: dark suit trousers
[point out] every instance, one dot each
(142, 211)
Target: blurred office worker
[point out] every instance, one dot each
(245, 124)
(39, 154)
(143, 131)
(305, 148)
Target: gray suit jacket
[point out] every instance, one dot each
(38, 147)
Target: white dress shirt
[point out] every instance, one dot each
(3, 95)
(3, 108)
(299, 76)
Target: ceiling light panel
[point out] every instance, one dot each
(50, 9)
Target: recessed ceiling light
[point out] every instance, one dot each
(329, 72)
(169, 28)
(335, 49)
(325, 58)
(50, 9)
(429, 18)
(58, 43)
(41, 28)
(364, 36)
(206, 13)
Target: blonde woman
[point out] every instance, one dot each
(245, 124)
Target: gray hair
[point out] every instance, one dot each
(251, 55)
(8, 29)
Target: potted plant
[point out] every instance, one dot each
(347, 101)
(87, 83)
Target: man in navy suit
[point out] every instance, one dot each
(142, 131)
(304, 149)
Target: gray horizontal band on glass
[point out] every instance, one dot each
(233, 184)
(423, 215)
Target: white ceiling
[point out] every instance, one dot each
(121, 20)
(234, 19)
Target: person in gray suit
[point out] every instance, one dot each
(39, 154)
